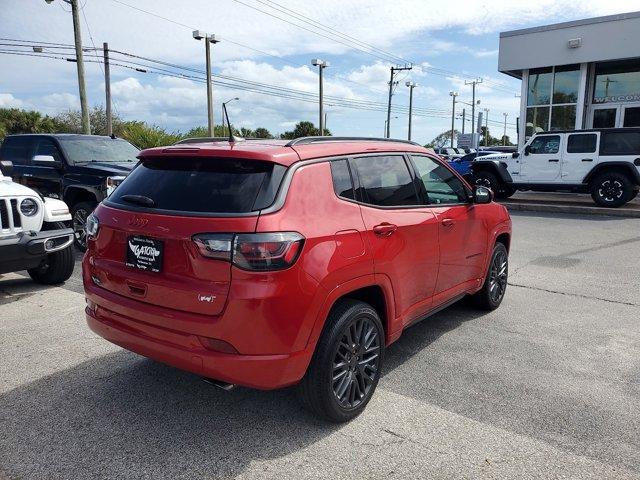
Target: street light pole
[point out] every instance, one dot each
(486, 127)
(321, 64)
(208, 39)
(77, 35)
(411, 86)
(107, 88)
(504, 135)
(453, 114)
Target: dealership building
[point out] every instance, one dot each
(575, 75)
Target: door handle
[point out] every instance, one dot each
(555, 160)
(27, 175)
(385, 229)
(587, 159)
(448, 222)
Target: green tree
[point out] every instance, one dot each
(261, 132)
(71, 121)
(304, 129)
(146, 136)
(442, 140)
(15, 120)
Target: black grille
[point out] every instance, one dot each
(4, 214)
(17, 221)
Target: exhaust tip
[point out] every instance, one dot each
(219, 384)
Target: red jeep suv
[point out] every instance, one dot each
(267, 264)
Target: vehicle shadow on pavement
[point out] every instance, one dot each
(121, 415)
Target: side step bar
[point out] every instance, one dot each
(220, 384)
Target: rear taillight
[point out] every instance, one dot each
(252, 251)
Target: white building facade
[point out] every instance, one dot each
(576, 75)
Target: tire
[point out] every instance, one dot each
(79, 214)
(611, 189)
(634, 195)
(492, 292)
(332, 388)
(57, 267)
(490, 180)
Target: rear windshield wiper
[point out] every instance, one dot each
(139, 200)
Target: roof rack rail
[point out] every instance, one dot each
(308, 140)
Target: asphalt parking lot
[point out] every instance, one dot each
(547, 386)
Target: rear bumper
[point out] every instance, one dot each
(27, 251)
(184, 351)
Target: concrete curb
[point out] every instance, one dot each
(572, 209)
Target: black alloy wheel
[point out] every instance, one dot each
(356, 362)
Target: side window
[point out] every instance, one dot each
(342, 179)
(545, 144)
(386, 181)
(582, 143)
(620, 143)
(16, 149)
(440, 184)
(47, 147)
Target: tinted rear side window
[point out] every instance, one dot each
(385, 181)
(620, 143)
(582, 143)
(342, 179)
(17, 150)
(203, 185)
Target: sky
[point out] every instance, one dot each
(272, 43)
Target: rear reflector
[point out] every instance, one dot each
(217, 345)
(252, 251)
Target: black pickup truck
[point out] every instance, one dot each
(80, 169)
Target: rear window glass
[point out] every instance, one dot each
(582, 143)
(16, 149)
(620, 143)
(202, 185)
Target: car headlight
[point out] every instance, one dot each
(28, 207)
(92, 226)
(112, 182)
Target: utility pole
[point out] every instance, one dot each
(107, 88)
(208, 39)
(411, 86)
(473, 101)
(463, 119)
(486, 127)
(504, 135)
(77, 35)
(391, 84)
(321, 64)
(453, 114)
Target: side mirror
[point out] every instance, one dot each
(45, 161)
(6, 167)
(527, 150)
(482, 194)
(515, 154)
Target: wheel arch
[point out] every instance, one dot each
(496, 167)
(74, 195)
(374, 290)
(626, 168)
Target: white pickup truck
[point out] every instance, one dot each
(605, 163)
(34, 232)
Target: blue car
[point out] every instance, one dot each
(462, 165)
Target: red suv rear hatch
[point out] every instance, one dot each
(144, 249)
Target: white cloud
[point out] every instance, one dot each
(7, 100)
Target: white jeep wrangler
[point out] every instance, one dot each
(605, 163)
(33, 234)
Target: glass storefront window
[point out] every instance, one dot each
(537, 120)
(617, 82)
(539, 88)
(565, 84)
(563, 117)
